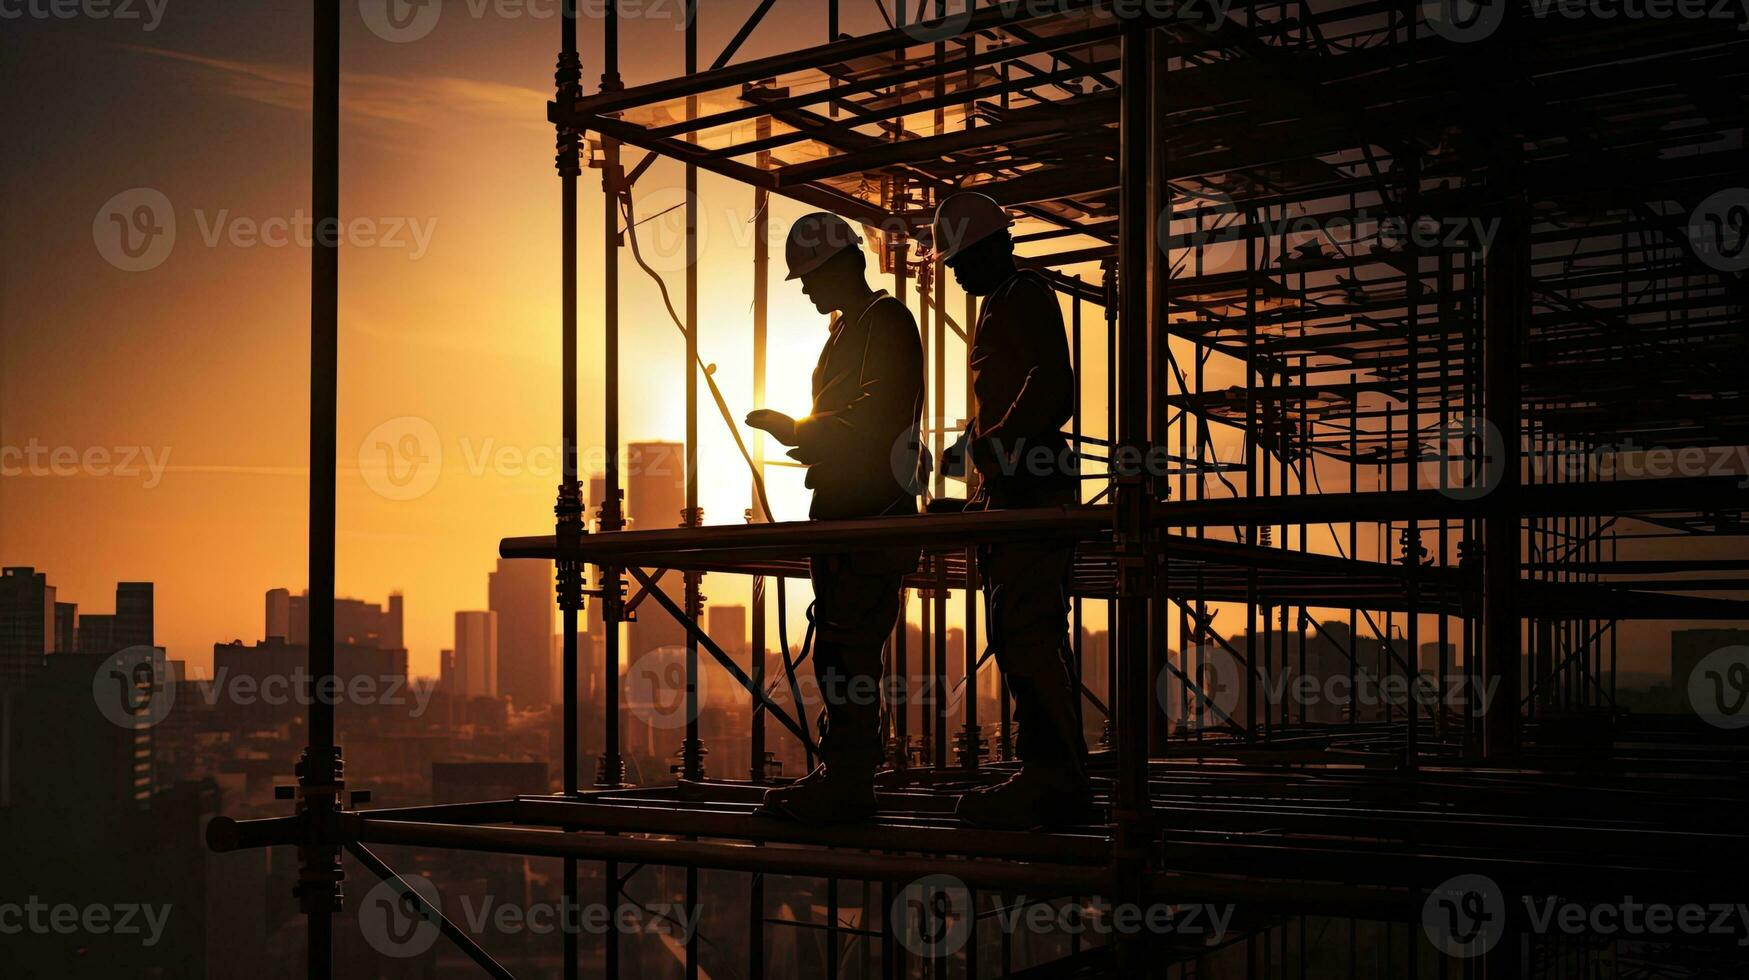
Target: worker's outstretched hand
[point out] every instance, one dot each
(781, 426)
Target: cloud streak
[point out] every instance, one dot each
(426, 102)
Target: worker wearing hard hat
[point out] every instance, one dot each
(1024, 387)
(861, 448)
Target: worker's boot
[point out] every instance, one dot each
(1037, 796)
(826, 795)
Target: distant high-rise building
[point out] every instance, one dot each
(367, 669)
(655, 484)
(133, 615)
(520, 594)
(92, 763)
(278, 615)
(356, 622)
(131, 625)
(1433, 654)
(592, 647)
(476, 654)
(27, 622)
(655, 497)
(96, 633)
(66, 627)
(727, 626)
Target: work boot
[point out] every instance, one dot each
(823, 796)
(1034, 797)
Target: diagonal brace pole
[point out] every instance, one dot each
(717, 653)
(449, 929)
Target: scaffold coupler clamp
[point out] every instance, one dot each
(320, 785)
(569, 532)
(1134, 542)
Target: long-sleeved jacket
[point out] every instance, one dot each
(1025, 388)
(860, 441)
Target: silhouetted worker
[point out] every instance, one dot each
(863, 456)
(1025, 392)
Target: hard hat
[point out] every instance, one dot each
(813, 239)
(964, 220)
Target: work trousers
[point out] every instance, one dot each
(856, 603)
(1026, 602)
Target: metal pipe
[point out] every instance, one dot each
(1130, 703)
(809, 862)
(610, 767)
(691, 753)
(320, 772)
(1505, 321)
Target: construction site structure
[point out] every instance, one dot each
(1387, 300)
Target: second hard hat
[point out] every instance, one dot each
(964, 220)
(814, 239)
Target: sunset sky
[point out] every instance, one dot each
(182, 390)
(200, 365)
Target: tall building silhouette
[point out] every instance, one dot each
(356, 622)
(727, 626)
(655, 498)
(96, 633)
(520, 595)
(27, 622)
(92, 763)
(66, 627)
(592, 646)
(133, 615)
(476, 654)
(278, 615)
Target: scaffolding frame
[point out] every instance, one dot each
(1351, 356)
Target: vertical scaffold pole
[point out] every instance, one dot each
(568, 512)
(1135, 571)
(320, 772)
(1506, 300)
(610, 768)
(761, 310)
(691, 754)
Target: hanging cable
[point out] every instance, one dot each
(716, 393)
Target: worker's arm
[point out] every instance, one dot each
(1032, 327)
(888, 387)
